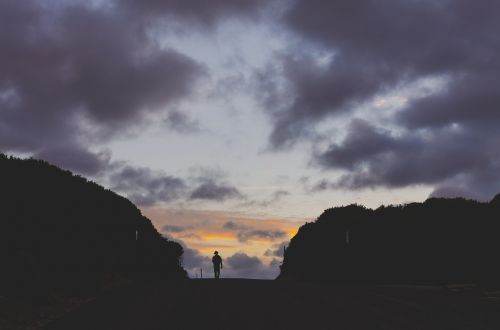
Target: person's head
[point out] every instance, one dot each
(216, 252)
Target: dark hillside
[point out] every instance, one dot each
(60, 232)
(435, 242)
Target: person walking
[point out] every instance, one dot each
(217, 261)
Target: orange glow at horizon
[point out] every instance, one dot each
(207, 231)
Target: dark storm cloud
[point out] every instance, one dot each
(375, 157)
(67, 68)
(361, 49)
(146, 187)
(197, 11)
(75, 73)
(212, 190)
(76, 158)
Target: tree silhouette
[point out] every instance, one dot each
(435, 242)
(59, 231)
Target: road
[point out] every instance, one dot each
(253, 304)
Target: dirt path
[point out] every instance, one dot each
(249, 304)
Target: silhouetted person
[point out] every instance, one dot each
(217, 261)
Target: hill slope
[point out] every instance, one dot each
(62, 232)
(438, 241)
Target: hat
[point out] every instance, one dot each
(216, 252)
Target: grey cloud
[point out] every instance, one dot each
(197, 11)
(182, 231)
(246, 235)
(375, 157)
(175, 228)
(191, 236)
(79, 73)
(315, 91)
(238, 265)
(146, 187)
(242, 261)
(193, 260)
(212, 190)
(275, 263)
(56, 73)
(275, 197)
(277, 250)
(76, 158)
(181, 123)
(480, 185)
(244, 266)
(445, 139)
(231, 225)
(270, 200)
(471, 101)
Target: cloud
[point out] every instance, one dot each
(146, 187)
(374, 157)
(181, 232)
(274, 198)
(181, 123)
(238, 265)
(277, 250)
(244, 233)
(219, 230)
(192, 261)
(357, 51)
(231, 225)
(191, 236)
(244, 266)
(271, 235)
(240, 261)
(175, 228)
(77, 158)
(215, 191)
(72, 75)
(197, 12)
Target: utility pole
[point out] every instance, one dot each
(201, 272)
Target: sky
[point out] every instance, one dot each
(230, 123)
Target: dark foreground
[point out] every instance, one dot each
(249, 304)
